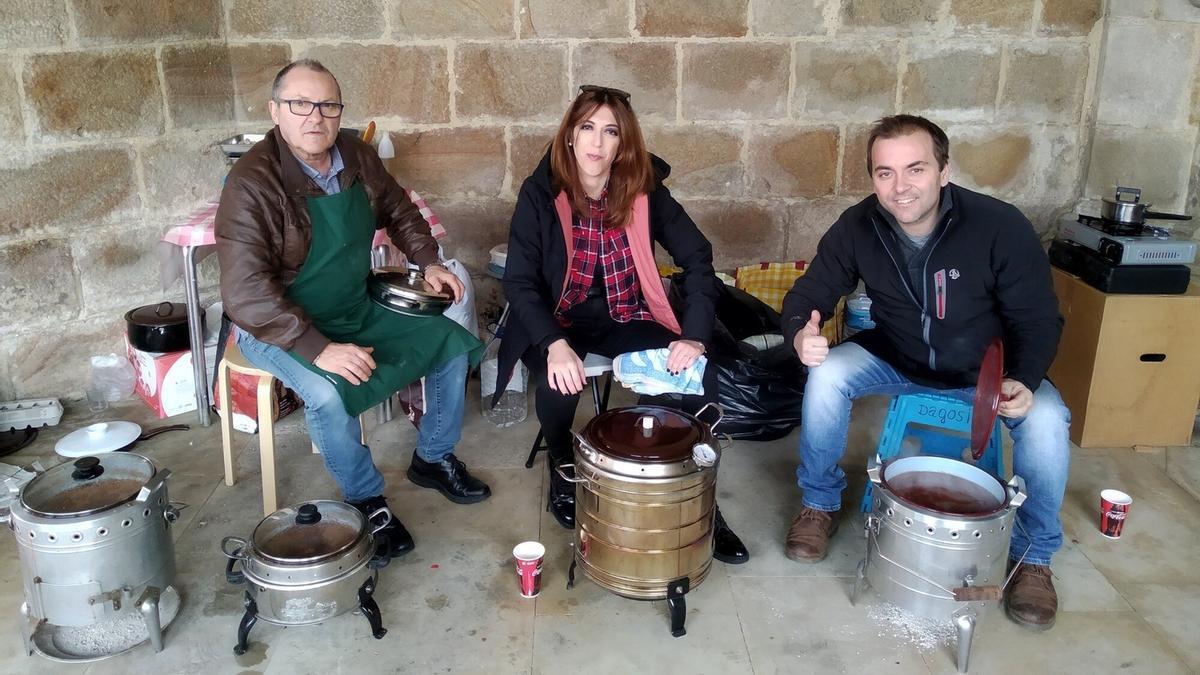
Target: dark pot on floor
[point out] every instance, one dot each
(159, 328)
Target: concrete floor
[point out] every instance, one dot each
(452, 605)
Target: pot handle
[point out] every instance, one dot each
(1122, 190)
(564, 475)
(156, 481)
(151, 433)
(383, 510)
(171, 513)
(583, 442)
(874, 466)
(238, 553)
(158, 311)
(720, 414)
(1016, 491)
(13, 493)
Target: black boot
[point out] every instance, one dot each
(727, 547)
(393, 540)
(560, 501)
(449, 477)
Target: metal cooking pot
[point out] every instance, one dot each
(1126, 208)
(405, 291)
(305, 564)
(938, 526)
(645, 501)
(159, 328)
(93, 541)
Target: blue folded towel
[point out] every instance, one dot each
(645, 372)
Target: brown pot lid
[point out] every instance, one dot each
(309, 532)
(645, 434)
(87, 485)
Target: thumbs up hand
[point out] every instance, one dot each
(810, 345)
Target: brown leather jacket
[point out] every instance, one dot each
(263, 234)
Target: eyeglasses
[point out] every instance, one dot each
(597, 89)
(304, 108)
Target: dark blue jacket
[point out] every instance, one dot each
(986, 275)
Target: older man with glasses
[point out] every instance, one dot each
(294, 229)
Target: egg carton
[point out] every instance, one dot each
(32, 412)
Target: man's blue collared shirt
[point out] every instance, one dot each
(329, 183)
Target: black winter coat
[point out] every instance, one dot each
(987, 275)
(537, 264)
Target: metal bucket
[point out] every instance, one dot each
(645, 497)
(918, 553)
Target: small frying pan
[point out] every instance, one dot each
(107, 437)
(987, 397)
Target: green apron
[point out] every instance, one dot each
(332, 290)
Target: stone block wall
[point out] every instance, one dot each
(113, 111)
(1148, 108)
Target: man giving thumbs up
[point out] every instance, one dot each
(947, 270)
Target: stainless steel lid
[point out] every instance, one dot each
(308, 533)
(402, 290)
(87, 485)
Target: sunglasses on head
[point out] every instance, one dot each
(597, 89)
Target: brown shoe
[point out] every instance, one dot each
(808, 538)
(1030, 599)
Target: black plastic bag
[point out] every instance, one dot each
(761, 394)
(760, 391)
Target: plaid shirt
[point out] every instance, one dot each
(607, 247)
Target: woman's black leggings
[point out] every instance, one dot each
(592, 331)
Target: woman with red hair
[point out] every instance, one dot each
(580, 276)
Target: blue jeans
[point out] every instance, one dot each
(338, 435)
(1041, 445)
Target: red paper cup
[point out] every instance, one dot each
(1114, 507)
(529, 555)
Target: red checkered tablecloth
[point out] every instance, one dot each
(197, 229)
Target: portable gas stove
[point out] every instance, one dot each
(1127, 244)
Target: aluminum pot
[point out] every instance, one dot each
(645, 500)
(938, 525)
(303, 565)
(93, 541)
(159, 328)
(1127, 208)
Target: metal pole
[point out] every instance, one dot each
(196, 333)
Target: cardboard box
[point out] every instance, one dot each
(164, 380)
(1127, 365)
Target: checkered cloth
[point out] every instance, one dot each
(769, 281)
(197, 228)
(607, 247)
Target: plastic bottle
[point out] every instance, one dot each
(112, 377)
(858, 313)
(513, 405)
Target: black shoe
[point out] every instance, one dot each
(393, 540)
(726, 546)
(560, 500)
(450, 478)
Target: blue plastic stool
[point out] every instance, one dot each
(934, 410)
